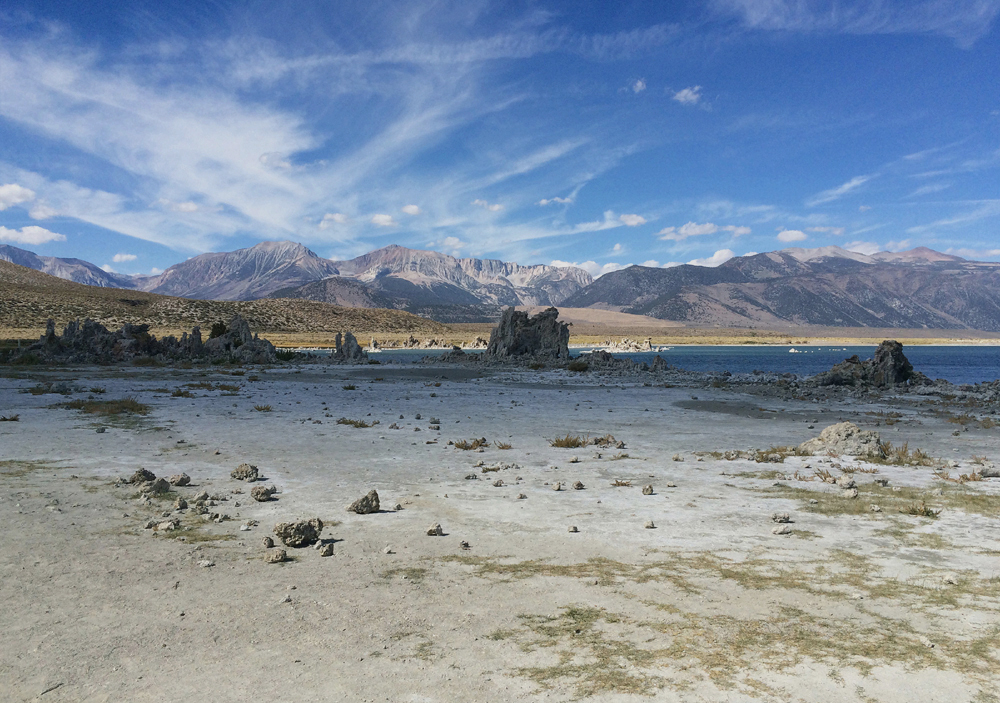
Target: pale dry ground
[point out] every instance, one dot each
(709, 606)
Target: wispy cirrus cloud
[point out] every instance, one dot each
(840, 191)
(695, 229)
(964, 21)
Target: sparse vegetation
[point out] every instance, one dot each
(468, 445)
(350, 387)
(263, 408)
(127, 405)
(10, 418)
(285, 354)
(901, 455)
(181, 393)
(502, 445)
(578, 365)
(98, 390)
(357, 423)
(619, 483)
(569, 442)
(218, 329)
(921, 510)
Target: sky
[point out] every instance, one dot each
(136, 135)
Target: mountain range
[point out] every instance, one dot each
(920, 288)
(827, 286)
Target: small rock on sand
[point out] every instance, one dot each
(875, 508)
(578, 485)
(206, 563)
(267, 542)
(301, 533)
(498, 483)
(781, 530)
(262, 494)
(574, 460)
(677, 457)
(366, 504)
(850, 493)
(142, 476)
(180, 504)
(780, 517)
(435, 530)
(158, 486)
(557, 486)
(326, 550)
(647, 490)
(649, 525)
(275, 556)
(572, 528)
(179, 480)
(521, 496)
(245, 472)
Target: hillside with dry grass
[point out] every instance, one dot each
(28, 298)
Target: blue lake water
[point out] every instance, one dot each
(958, 364)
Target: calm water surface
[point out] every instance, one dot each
(954, 363)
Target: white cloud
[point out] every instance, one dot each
(122, 258)
(864, 208)
(492, 207)
(929, 189)
(31, 234)
(155, 271)
(42, 212)
(792, 235)
(383, 220)
(639, 86)
(560, 201)
(332, 218)
(719, 257)
(837, 231)
(973, 253)
(694, 229)
(186, 206)
(617, 248)
(835, 193)
(632, 220)
(964, 22)
(986, 209)
(688, 96)
(411, 209)
(592, 267)
(14, 194)
(451, 243)
(652, 263)
(866, 248)
(107, 269)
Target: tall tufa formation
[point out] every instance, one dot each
(518, 335)
(347, 350)
(889, 368)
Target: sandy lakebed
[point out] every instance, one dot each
(709, 605)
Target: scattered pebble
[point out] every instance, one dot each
(435, 530)
(572, 528)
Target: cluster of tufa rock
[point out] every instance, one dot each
(301, 533)
(91, 342)
(888, 368)
(518, 335)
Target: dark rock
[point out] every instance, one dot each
(90, 342)
(142, 476)
(889, 368)
(160, 485)
(518, 335)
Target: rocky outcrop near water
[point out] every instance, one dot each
(519, 335)
(347, 350)
(888, 368)
(90, 342)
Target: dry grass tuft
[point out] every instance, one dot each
(10, 418)
(263, 408)
(357, 423)
(471, 444)
(503, 445)
(570, 442)
(127, 405)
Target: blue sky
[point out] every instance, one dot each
(137, 134)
